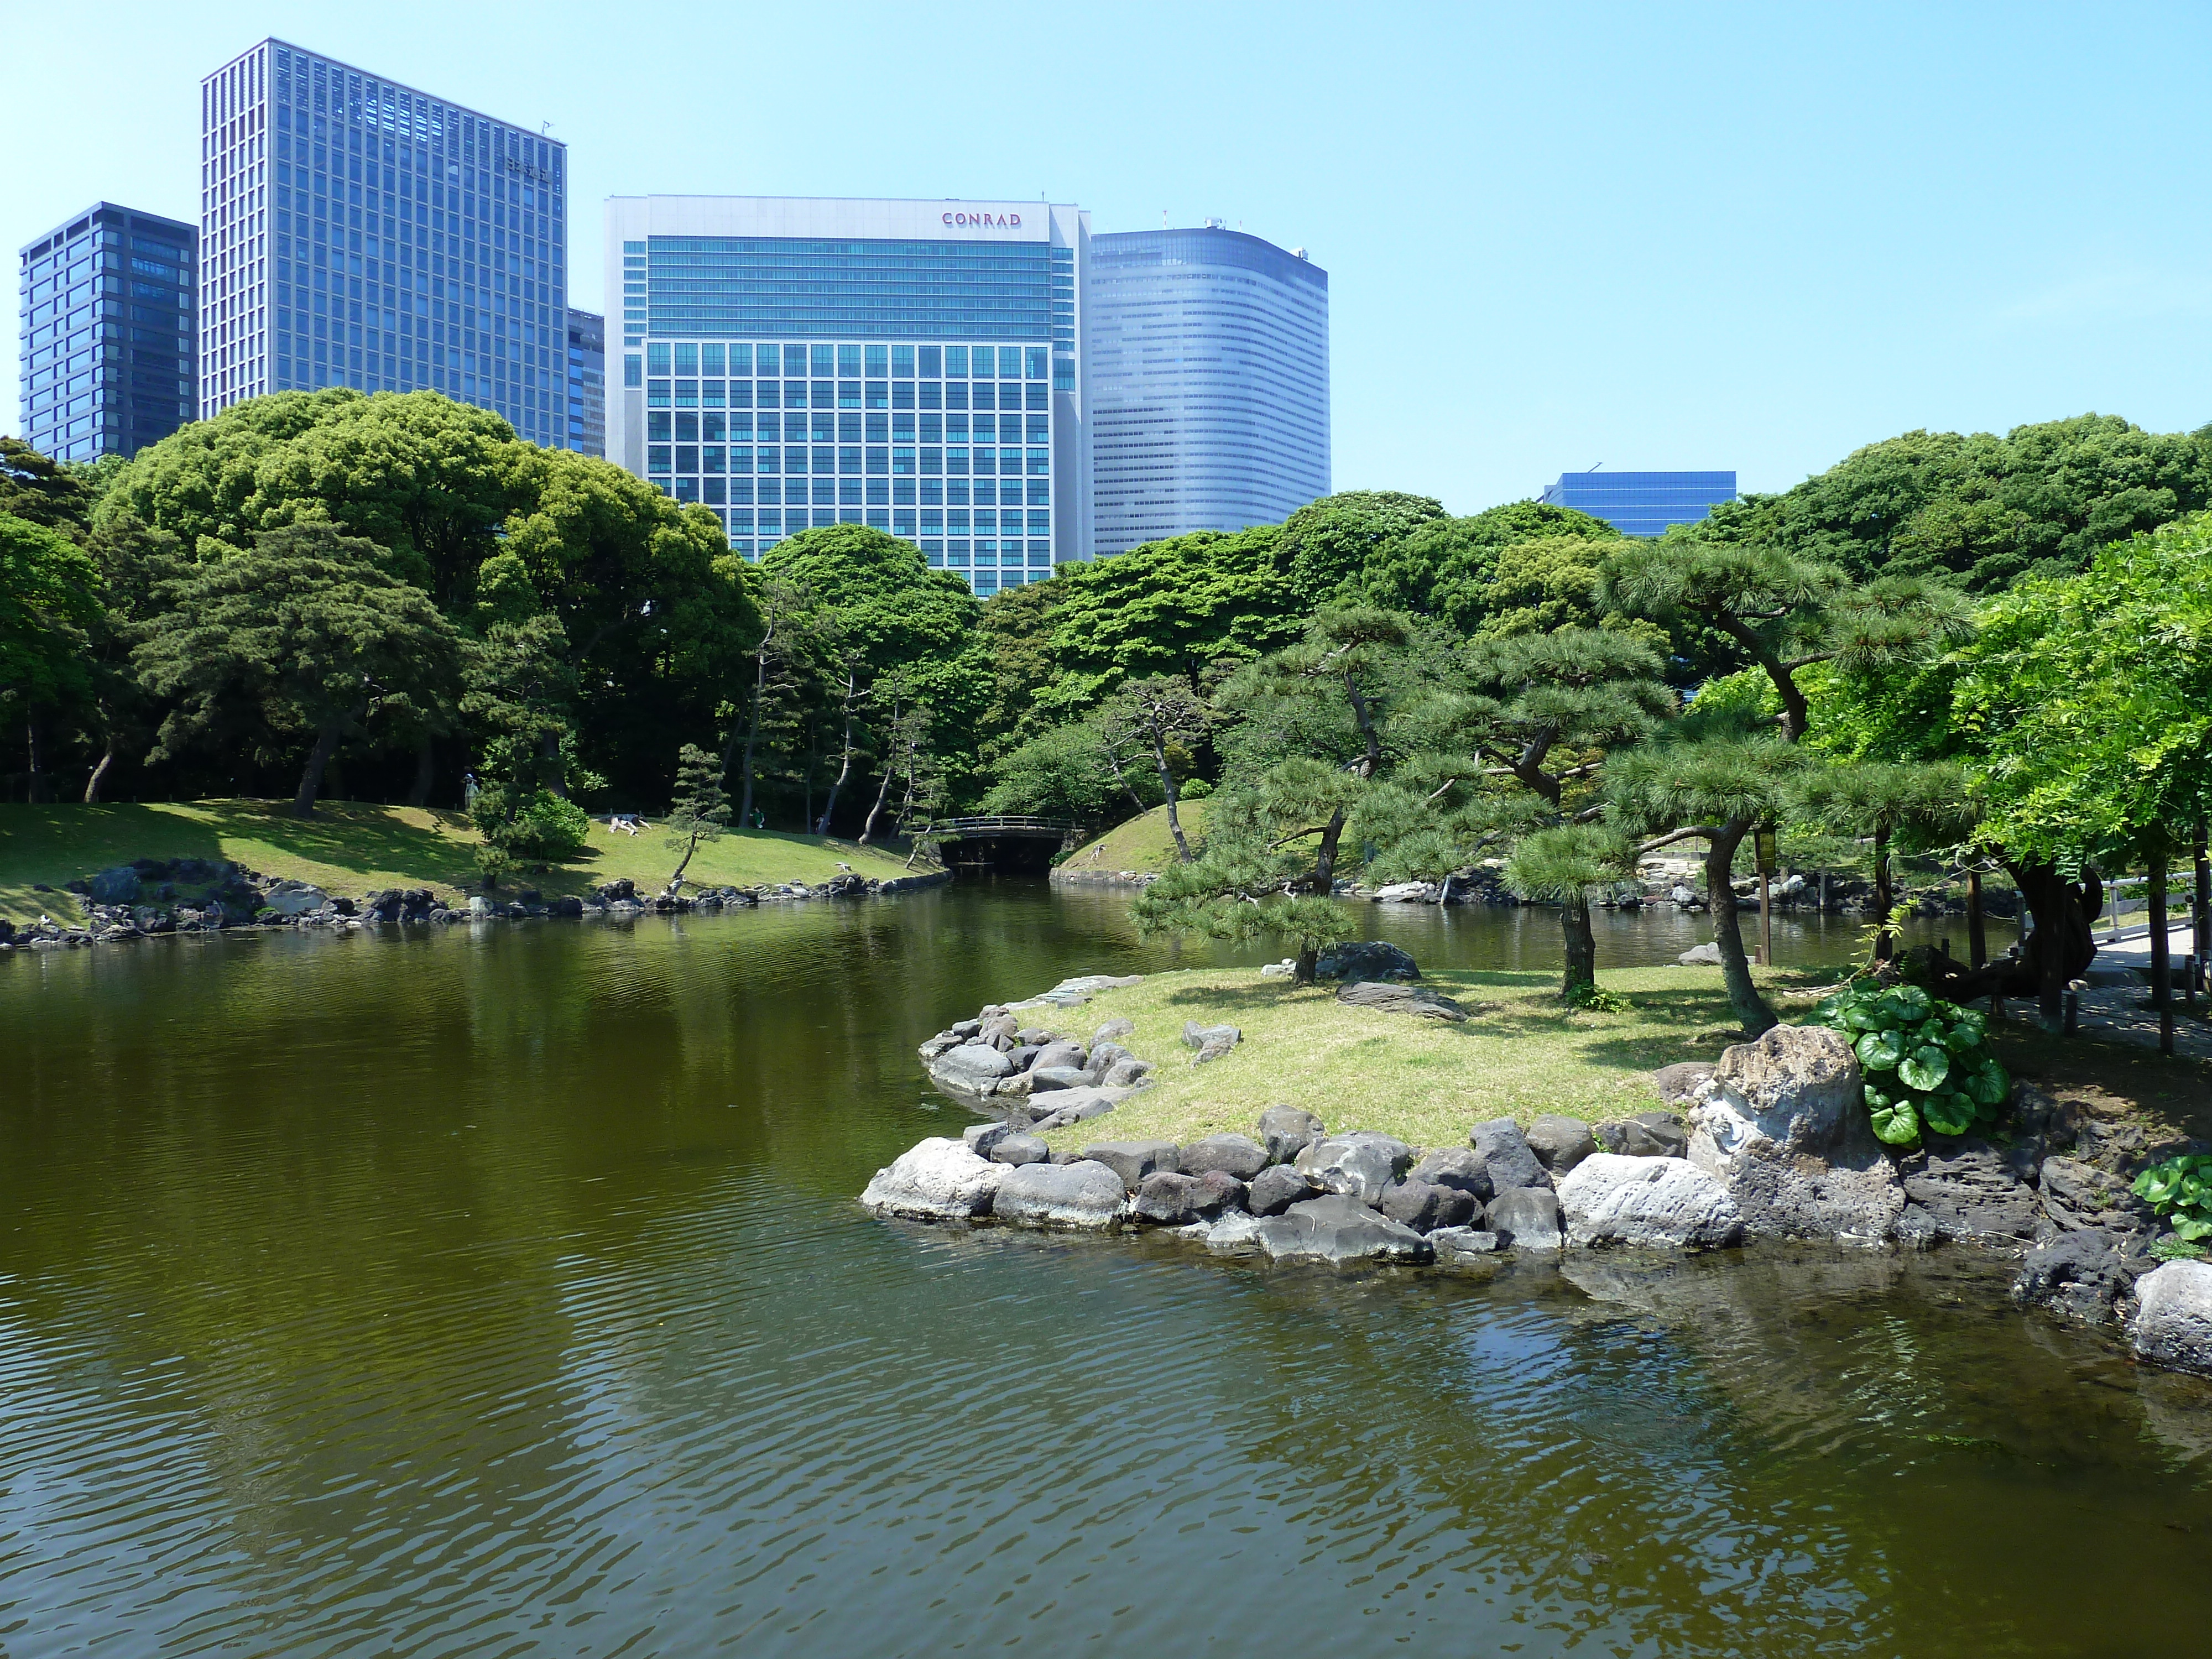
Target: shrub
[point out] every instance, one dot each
(2180, 1189)
(1928, 1062)
(541, 825)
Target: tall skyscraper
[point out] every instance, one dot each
(1642, 503)
(356, 232)
(587, 382)
(909, 365)
(107, 315)
(1207, 351)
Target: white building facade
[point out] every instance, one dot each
(912, 366)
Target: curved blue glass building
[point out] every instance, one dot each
(1207, 356)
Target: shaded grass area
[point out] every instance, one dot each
(348, 847)
(1522, 1052)
(1143, 843)
(2170, 1097)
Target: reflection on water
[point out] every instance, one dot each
(503, 1293)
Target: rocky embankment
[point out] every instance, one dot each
(1769, 1147)
(189, 895)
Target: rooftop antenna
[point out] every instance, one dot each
(544, 127)
(1595, 464)
(1164, 218)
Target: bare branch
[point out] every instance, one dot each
(1708, 831)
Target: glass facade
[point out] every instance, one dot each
(108, 315)
(359, 233)
(1642, 503)
(926, 386)
(587, 382)
(1208, 355)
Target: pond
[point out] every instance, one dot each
(503, 1293)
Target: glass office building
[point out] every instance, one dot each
(108, 317)
(1208, 355)
(356, 232)
(587, 382)
(909, 365)
(1642, 503)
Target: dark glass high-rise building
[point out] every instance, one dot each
(1642, 503)
(356, 232)
(108, 319)
(587, 382)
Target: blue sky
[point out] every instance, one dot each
(1674, 236)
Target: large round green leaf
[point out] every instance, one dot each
(1861, 1017)
(1877, 1100)
(1897, 1124)
(1949, 1113)
(1989, 1084)
(1979, 1023)
(1926, 1067)
(1880, 1051)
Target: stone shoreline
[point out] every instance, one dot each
(1771, 1145)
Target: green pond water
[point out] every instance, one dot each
(503, 1293)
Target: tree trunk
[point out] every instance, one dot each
(845, 764)
(876, 811)
(2062, 944)
(686, 863)
(548, 752)
(311, 774)
(1824, 892)
(1744, 999)
(1884, 942)
(2201, 917)
(2161, 957)
(1324, 875)
(1580, 978)
(425, 772)
(34, 787)
(99, 771)
(752, 738)
(1309, 959)
(1977, 933)
(1168, 789)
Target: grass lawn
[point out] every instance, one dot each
(1520, 1053)
(348, 848)
(1142, 843)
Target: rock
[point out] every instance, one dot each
(1359, 1162)
(1648, 1134)
(1045, 1079)
(963, 1029)
(1700, 956)
(981, 1138)
(972, 1063)
(2078, 1275)
(1113, 1028)
(1062, 1107)
(1364, 959)
(938, 1180)
(1274, 1190)
(120, 886)
(293, 898)
(1133, 1160)
(1560, 1143)
(1211, 1042)
(1798, 1086)
(1423, 1205)
(1417, 1001)
(1019, 1149)
(1680, 1081)
(1660, 1203)
(1973, 1191)
(568, 905)
(1105, 1056)
(1285, 1132)
(1054, 1054)
(1464, 1246)
(1165, 1199)
(1528, 1217)
(1238, 1155)
(479, 906)
(2172, 1324)
(1223, 1191)
(1456, 1166)
(1125, 1073)
(2076, 1196)
(1236, 1234)
(1506, 1151)
(1336, 1229)
(1086, 1195)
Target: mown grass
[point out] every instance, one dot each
(348, 848)
(1143, 843)
(1522, 1052)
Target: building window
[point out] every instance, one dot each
(633, 369)
(656, 353)
(656, 457)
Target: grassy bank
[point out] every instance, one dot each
(1141, 844)
(348, 848)
(1521, 1051)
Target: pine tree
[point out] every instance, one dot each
(700, 809)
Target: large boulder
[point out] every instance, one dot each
(1424, 1207)
(2076, 1194)
(1133, 1160)
(1019, 1149)
(1506, 1151)
(293, 898)
(1044, 1079)
(1336, 1229)
(1058, 1108)
(2082, 1276)
(971, 1064)
(1414, 1000)
(1560, 1143)
(120, 886)
(1165, 1199)
(1085, 1196)
(2172, 1324)
(1274, 1190)
(1364, 959)
(1973, 1191)
(1465, 1247)
(938, 1180)
(1456, 1166)
(1360, 1162)
(1238, 1155)
(1528, 1218)
(1285, 1132)
(1062, 1054)
(1662, 1203)
(1679, 1083)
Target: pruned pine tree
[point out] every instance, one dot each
(1159, 716)
(1921, 805)
(699, 811)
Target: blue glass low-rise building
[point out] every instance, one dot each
(1642, 503)
(356, 232)
(108, 311)
(914, 366)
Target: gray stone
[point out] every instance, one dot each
(1560, 1143)
(1125, 1073)
(1506, 1151)
(2078, 1276)
(937, 1180)
(1236, 1234)
(1364, 959)
(1086, 1195)
(1798, 1086)
(1020, 1149)
(1285, 1132)
(1275, 1189)
(1680, 1082)
(120, 886)
(1700, 956)
(2076, 1196)
(1464, 1246)
(1112, 1030)
(1456, 1166)
(981, 1138)
(1238, 1155)
(1195, 1036)
(1660, 1203)
(1059, 1107)
(1973, 1191)
(1528, 1217)
(1336, 1229)
(1424, 1207)
(2173, 1325)
(1045, 1079)
(1360, 1162)
(1224, 1191)
(972, 1063)
(1133, 1160)
(1414, 1000)
(1165, 1199)
(1855, 1199)
(1647, 1134)
(290, 899)
(1069, 1054)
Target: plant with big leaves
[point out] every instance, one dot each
(2180, 1189)
(1927, 1063)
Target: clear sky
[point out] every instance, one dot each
(1677, 236)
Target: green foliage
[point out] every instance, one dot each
(1564, 861)
(1927, 1063)
(1448, 568)
(700, 809)
(1066, 772)
(51, 603)
(538, 825)
(45, 493)
(1547, 584)
(1327, 544)
(2180, 1189)
(2173, 1248)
